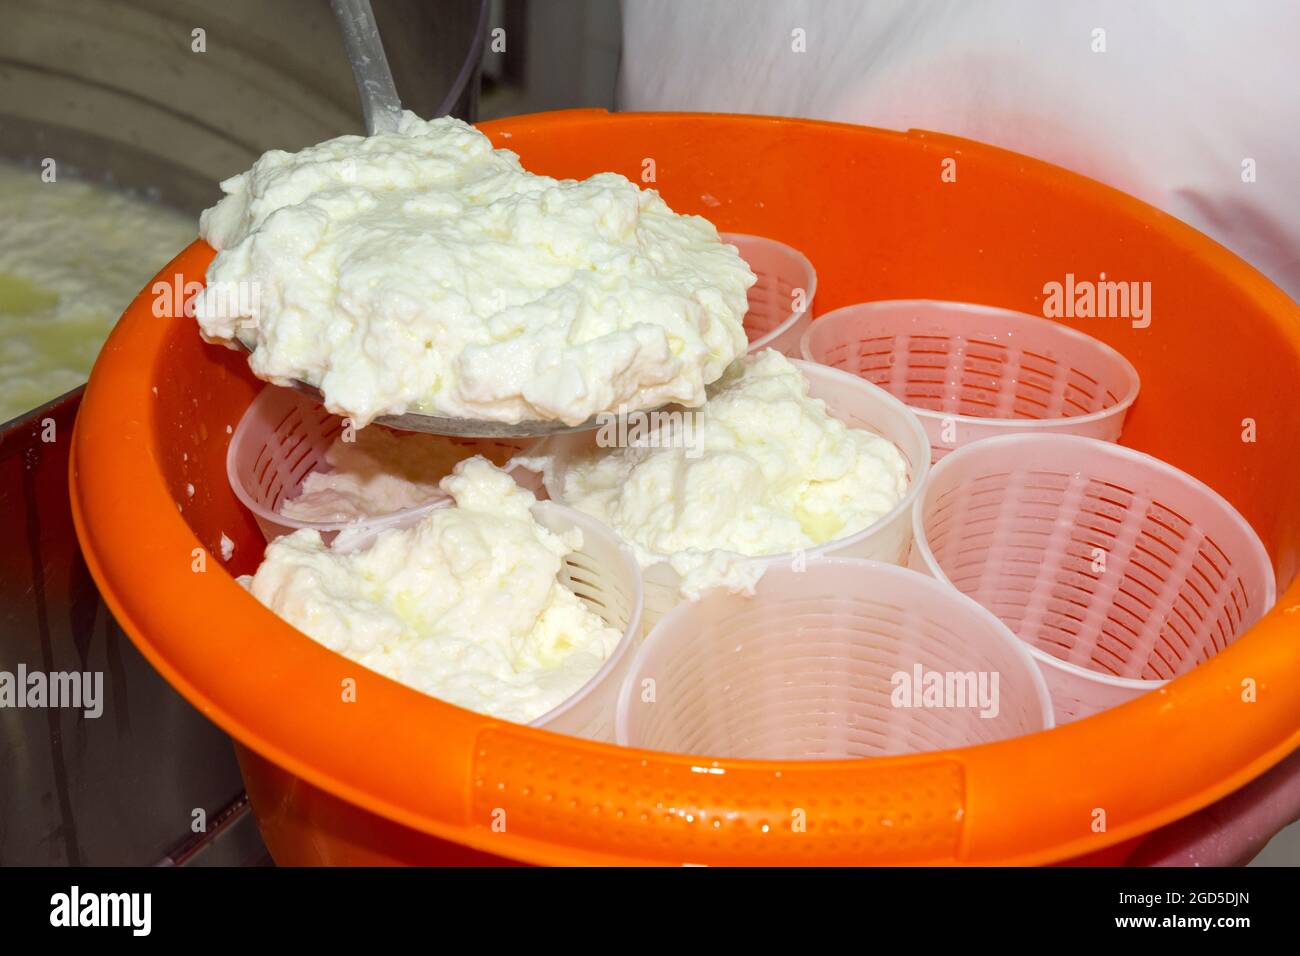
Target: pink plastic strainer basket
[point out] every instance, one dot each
(283, 437)
(975, 371)
(854, 402)
(824, 664)
(1119, 571)
(780, 302)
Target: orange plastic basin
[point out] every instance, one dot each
(398, 776)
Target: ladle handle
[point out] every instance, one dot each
(380, 104)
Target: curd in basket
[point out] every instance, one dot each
(464, 605)
(767, 470)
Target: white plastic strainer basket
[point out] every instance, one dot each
(780, 302)
(1119, 571)
(975, 371)
(604, 573)
(836, 662)
(854, 402)
(283, 437)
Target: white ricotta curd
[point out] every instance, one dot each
(426, 271)
(464, 605)
(768, 471)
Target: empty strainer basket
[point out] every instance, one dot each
(1119, 571)
(974, 371)
(780, 302)
(284, 436)
(836, 661)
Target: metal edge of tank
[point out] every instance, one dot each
(75, 785)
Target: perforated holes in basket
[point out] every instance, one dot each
(604, 574)
(972, 371)
(973, 377)
(812, 678)
(604, 592)
(1024, 544)
(769, 304)
(779, 271)
(295, 449)
(284, 436)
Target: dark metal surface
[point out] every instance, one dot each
(154, 117)
(115, 92)
(118, 789)
(232, 839)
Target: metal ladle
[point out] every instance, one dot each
(382, 109)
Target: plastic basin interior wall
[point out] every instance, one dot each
(337, 782)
